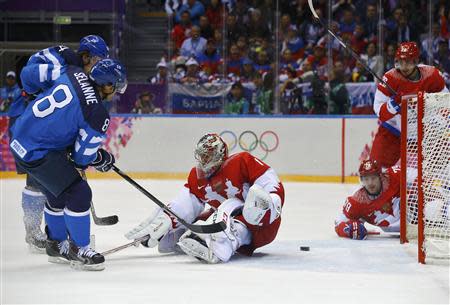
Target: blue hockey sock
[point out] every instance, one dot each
(33, 207)
(79, 226)
(56, 225)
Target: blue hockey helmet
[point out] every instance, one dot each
(110, 72)
(95, 45)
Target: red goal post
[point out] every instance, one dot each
(425, 182)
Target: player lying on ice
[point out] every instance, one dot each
(376, 202)
(241, 189)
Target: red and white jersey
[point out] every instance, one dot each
(382, 211)
(233, 180)
(431, 81)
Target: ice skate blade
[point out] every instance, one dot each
(195, 249)
(76, 265)
(57, 260)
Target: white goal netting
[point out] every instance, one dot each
(435, 174)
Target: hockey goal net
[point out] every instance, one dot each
(425, 161)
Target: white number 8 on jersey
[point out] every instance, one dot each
(53, 102)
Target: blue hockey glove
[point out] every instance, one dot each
(104, 161)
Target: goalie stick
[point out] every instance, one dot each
(100, 221)
(205, 229)
(135, 243)
(353, 53)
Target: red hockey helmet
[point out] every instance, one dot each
(210, 152)
(369, 167)
(407, 50)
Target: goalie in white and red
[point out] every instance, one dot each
(240, 189)
(377, 202)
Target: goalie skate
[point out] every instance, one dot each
(196, 247)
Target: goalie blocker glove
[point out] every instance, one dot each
(104, 161)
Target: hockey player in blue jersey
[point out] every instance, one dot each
(42, 69)
(68, 116)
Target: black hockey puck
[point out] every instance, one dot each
(304, 248)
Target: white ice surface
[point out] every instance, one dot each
(336, 270)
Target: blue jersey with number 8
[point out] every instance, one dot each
(69, 114)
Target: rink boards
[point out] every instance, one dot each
(299, 148)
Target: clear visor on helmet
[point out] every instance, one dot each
(121, 86)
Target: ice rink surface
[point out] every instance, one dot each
(377, 270)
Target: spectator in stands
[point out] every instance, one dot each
(294, 43)
(339, 97)
(248, 71)
(442, 57)
(234, 29)
(218, 38)
(257, 26)
(285, 23)
(210, 59)
(234, 62)
(287, 61)
(429, 45)
(161, 78)
(182, 30)
(319, 61)
(9, 92)
(262, 64)
(215, 12)
(241, 11)
(311, 31)
(243, 46)
(291, 101)
(392, 21)
(263, 96)
(180, 68)
(235, 102)
(360, 74)
(195, 45)
(374, 61)
(403, 32)
(144, 104)
(370, 23)
(306, 72)
(389, 60)
(347, 24)
(195, 9)
(359, 41)
(206, 31)
(193, 74)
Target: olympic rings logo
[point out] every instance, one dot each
(248, 141)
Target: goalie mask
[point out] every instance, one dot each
(210, 152)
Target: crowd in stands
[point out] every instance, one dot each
(268, 56)
(243, 43)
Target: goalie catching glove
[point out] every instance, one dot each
(261, 207)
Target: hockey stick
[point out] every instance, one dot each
(384, 234)
(100, 221)
(205, 229)
(353, 53)
(135, 243)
